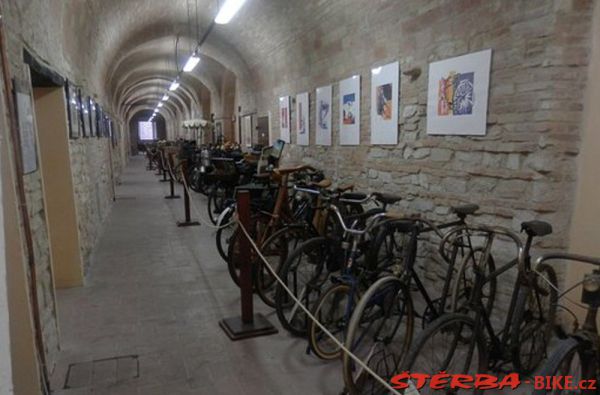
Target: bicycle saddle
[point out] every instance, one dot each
(354, 196)
(465, 209)
(536, 228)
(324, 183)
(345, 188)
(387, 198)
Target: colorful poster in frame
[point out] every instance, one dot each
(384, 104)
(457, 98)
(323, 111)
(302, 121)
(350, 111)
(73, 110)
(284, 118)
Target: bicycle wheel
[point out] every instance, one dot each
(464, 283)
(304, 273)
(533, 320)
(442, 347)
(379, 334)
(333, 311)
(235, 255)
(216, 203)
(391, 246)
(276, 250)
(569, 359)
(225, 233)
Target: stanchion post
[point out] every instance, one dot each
(248, 324)
(163, 168)
(186, 200)
(172, 186)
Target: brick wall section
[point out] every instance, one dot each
(524, 168)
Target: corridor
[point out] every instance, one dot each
(156, 292)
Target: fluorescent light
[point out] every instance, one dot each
(174, 85)
(191, 63)
(376, 70)
(228, 11)
(160, 105)
(165, 97)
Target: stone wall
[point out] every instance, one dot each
(90, 157)
(524, 168)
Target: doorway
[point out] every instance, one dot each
(53, 139)
(262, 131)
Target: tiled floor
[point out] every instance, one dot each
(158, 291)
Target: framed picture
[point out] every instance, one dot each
(302, 122)
(247, 124)
(350, 111)
(457, 98)
(324, 108)
(284, 118)
(73, 110)
(384, 104)
(93, 118)
(26, 132)
(85, 114)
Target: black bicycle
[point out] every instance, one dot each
(576, 356)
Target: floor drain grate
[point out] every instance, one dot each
(102, 371)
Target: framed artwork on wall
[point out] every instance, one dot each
(73, 110)
(247, 124)
(457, 98)
(302, 122)
(26, 132)
(93, 119)
(85, 114)
(350, 111)
(384, 104)
(284, 118)
(324, 108)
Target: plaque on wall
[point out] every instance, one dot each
(26, 132)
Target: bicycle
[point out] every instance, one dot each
(308, 267)
(577, 355)
(468, 343)
(384, 318)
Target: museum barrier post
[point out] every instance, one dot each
(248, 324)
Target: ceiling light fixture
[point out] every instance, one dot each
(174, 84)
(228, 11)
(191, 63)
(160, 105)
(165, 97)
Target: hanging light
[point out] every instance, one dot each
(191, 63)
(228, 11)
(174, 85)
(165, 97)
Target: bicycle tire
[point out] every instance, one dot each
(222, 236)
(215, 204)
(522, 314)
(315, 274)
(276, 250)
(371, 315)
(421, 351)
(463, 294)
(561, 359)
(387, 249)
(341, 297)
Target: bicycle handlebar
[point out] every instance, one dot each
(569, 257)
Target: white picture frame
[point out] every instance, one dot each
(284, 118)
(350, 111)
(466, 78)
(384, 104)
(302, 119)
(324, 107)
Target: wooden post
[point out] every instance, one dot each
(186, 200)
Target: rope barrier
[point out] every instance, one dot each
(202, 218)
(312, 317)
